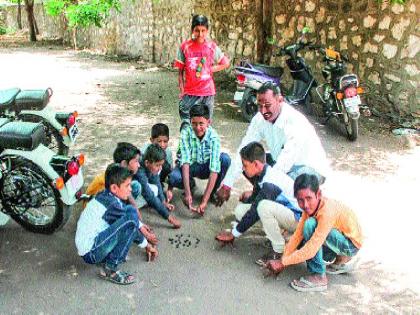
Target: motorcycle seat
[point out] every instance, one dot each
(7, 98)
(4, 121)
(32, 99)
(271, 71)
(20, 135)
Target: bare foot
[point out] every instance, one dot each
(341, 260)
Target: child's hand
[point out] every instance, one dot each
(152, 252)
(169, 195)
(201, 208)
(169, 206)
(245, 195)
(149, 235)
(188, 202)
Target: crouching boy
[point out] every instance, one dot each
(107, 227)
(327, 231)
(200, 157)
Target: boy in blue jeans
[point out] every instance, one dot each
(108, 226)
(200, 157)
(152, 192)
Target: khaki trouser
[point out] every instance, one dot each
(274, 217)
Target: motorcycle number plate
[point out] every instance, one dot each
(238, 96)
(73, 132)
(74, 183)
(352, 103)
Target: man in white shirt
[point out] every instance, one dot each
(292, 141)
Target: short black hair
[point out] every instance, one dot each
(125, 152)
(159, 129)
(200, 110)
(116, 174)
(199, 19)
(154, 153)
(305, 181)
(269, 85)
(253, 151)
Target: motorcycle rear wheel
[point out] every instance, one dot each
(28, 196)
(352, 128)
(53, 139)
(248, 104)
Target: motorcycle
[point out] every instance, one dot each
(250, 77)
(61, 128)
(37, 187)
(341, 93)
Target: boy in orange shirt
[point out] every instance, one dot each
(327, 231)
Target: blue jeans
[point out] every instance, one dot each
(201, 171)
(111, 245)
(335, 244)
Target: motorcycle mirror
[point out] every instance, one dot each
(306, 30)
(270, 40)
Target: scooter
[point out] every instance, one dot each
(61, 128)
(37, 187)
(250, 77)
(341, 92)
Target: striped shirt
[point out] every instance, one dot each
(331, 214)
(194, 150)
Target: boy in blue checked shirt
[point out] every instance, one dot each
(200, 157)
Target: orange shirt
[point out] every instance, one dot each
(331, 214)
(97, 185)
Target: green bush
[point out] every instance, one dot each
(3, 30)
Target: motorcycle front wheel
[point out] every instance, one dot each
(53, 139)
(248, 104)
(28, 196)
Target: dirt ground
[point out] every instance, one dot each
(379, 176)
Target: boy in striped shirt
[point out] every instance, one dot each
(200, 157)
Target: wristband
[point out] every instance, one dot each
(226, 187)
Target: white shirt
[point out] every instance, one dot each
(292, 140)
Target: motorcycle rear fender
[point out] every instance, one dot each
(48, 115)
(41, 157)
(348, 79)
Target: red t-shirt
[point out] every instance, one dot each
(196, 60)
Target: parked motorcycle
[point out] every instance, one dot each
(341, 92)
(37, 187)
(250, 77)
(31, 105)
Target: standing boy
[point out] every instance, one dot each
(327, 231)
(198, 58)
(200, 157)
(107, 227)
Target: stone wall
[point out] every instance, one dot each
(382, 40)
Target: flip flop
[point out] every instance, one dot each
(334, 269)
(308, 286)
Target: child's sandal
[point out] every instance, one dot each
(118, 277)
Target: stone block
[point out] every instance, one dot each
(392, 77)
(342, 25)
(369, 62)
(354, 28)
(411, 70)
(378, 38)
(374, 78)
(370, 48)
(397, 8)
(369, 21)
(332, 33)
(309, 6)
(357, 40)
(236, 5)
(280, 19)
(320, 16)
(412, 48)
(384, 24)
(389, 50)
(399, 28)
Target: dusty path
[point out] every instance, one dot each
(119, 102)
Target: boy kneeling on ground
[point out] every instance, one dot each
(327, 231)
(107, 227)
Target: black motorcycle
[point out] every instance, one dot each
(341, 92)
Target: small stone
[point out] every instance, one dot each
(399, 28)
(374, 77)
(370, 48)
(320, 16)
(309, 6)
(357, 40)
(389, 51)
(369, 21)
(331, 33)
(392, 77)
(384, 24)
(369, 62)
(281, 19)
(378, 38)
(397, 8)
(412, 70)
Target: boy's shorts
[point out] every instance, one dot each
(188, 101)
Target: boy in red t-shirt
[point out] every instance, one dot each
(197, 59)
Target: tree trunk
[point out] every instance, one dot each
(19, 15)
(260, 30)
(267, 29)
(29, 6)
(36, 26)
